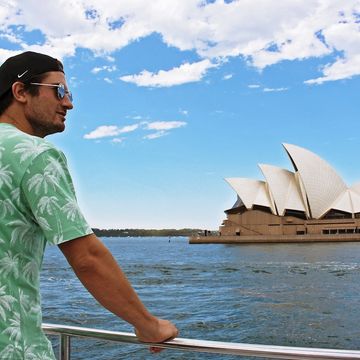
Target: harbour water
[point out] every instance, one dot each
(280, 294)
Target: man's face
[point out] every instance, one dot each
(45, 112)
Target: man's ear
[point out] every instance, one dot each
(19, 93)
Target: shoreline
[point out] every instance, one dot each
(268, 239)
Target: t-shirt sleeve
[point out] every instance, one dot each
(50, 194)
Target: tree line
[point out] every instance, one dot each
(145, 232)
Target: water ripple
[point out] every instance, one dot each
(269, 294)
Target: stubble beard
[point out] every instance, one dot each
(42, 125)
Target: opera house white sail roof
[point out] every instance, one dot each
(251, 192)
(283, 188)
(314, 188)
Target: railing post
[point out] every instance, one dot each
(64, 351)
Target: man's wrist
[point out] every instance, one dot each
(148, 329)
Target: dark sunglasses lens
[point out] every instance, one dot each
(62, 92)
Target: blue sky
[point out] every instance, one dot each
(172, 97)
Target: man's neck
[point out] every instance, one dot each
(10, 118)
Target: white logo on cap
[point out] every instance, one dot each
(21, 75)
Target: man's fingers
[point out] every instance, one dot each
(155, 350)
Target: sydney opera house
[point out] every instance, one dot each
(311, 203)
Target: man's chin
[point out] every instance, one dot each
(60, 125)
(58, 129)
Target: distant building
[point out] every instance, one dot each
(313, 200)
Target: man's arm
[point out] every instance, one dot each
(103, 278)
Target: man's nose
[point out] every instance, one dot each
(66, 102)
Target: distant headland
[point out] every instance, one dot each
(145, 232)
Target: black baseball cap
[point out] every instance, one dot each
(25, 66)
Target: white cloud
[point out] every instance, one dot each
(128, 128)
(183, 74)
(74, 82)
(156, 135)
(227, 77)
(109, 130)
(340, 69)
(164, 125)
(134, 117)
(109, 81)
(263, 32)
(96, 70)
(184, 112)
(107, 68)
(275, 89)
(102, 131)
(347, 37)
(161, 128)
(253, 86)
(117, 140)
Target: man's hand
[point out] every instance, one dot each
(159, 331)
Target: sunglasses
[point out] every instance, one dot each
(60, 90)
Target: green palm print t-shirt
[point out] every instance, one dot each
(37, 206)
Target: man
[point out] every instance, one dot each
(38, 206)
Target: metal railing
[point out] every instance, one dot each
(269, 351)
